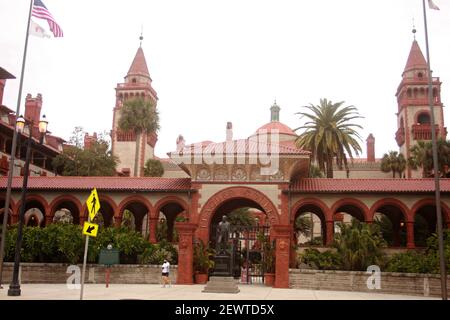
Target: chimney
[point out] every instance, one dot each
(2, 87)
(180, 143)
(33, 108)
(229, 131)
(370, 148)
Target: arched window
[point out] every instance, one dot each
(423, 118)
(409, 93)
(133, 80)
(420, 75)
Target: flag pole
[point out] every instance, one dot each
(435, 167)
(13, 151)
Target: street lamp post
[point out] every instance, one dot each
(14, 287)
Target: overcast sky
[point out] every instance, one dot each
(218, 61)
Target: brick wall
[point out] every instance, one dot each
(394, 283)
(56, 273)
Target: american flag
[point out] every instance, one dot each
(40, 11)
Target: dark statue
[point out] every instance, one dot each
(223, 231)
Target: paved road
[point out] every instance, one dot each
(187, 292)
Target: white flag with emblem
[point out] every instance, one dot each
(37, 30)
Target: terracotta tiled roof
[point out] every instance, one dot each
(244, 146)
(318, 185)
(415, 58)
(139, 65)
(101, 183)
(276, 125)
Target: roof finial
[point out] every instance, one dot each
(141, 37)
(414, 29)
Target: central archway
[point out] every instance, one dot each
(219, 199)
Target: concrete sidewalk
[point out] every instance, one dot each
(186, 292)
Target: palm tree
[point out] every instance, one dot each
(140, 116)
(328, 134)
(393, 161)
(304, 225)
(422, 156)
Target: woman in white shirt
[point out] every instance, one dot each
(165, 273)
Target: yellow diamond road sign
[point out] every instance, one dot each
(93, 204)
(90, 229)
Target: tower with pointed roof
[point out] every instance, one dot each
(413, 115)
(137, 83)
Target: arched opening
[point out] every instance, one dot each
(309, 226)
(345, 212)
(34, 213)
(391, 221)
(168, 214)
(422, 92)
(424, 224)
(105, 216)
(416, 92)
(135, 216)
(67, 207)
(409, 93)
(2, 210)
(423, 118)
(247, 232)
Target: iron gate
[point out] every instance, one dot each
(248, 256)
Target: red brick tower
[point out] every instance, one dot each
(413, 115)
(137, 84)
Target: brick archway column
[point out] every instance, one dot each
(117, 221)
(329, 230)
(48, 220)
(293, 251)
(410, 235)
(185, 252)
(152, 223)
(282, 235)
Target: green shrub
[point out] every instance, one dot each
(327, 260)
(360, 245)
(409, 262)
(10, 243)
(64, 243)
(203, 255)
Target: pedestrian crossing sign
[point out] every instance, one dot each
(93, 204)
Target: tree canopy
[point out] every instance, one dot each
(75, 160)
(422, 157)
(140, 116)
(393, 162)
(153, 168)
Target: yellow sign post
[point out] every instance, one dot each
(93, 204)
(90, 229)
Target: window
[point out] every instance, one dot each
(423, 118)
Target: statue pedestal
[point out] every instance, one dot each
(221, 280)
(221, 285)
(222, 265)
